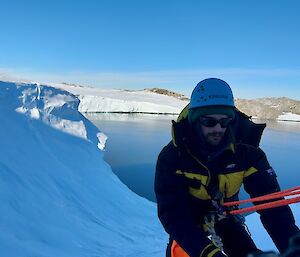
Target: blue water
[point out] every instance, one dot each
(135, 140)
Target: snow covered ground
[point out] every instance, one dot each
(118, 100)
(58, 196)
(289, 116)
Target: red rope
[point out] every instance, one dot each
(287, 192)
(269, 205)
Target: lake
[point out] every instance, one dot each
(135, 140)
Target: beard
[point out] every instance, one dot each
(214, 138)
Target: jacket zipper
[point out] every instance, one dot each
(199, 162)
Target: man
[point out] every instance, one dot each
(205, 165)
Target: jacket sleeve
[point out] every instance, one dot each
(173, 208)
(279, 222)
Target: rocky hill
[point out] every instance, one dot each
(268, 108)
(167, 92)
(262, 108)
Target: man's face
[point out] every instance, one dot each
(212, 131)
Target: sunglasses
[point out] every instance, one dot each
(212, 122)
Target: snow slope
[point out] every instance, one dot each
(58, 196)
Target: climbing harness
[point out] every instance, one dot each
(213, 217)
(209, 222)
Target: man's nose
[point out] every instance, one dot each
(218, 127)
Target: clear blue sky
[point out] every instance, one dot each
(134, 44)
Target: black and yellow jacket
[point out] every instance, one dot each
(187, 178)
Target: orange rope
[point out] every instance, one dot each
(273, 204)
(267, 205)
(287, 192)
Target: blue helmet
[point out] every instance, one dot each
(211, 96)
(211, 92)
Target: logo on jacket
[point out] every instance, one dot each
(271, 172)
(230, 166)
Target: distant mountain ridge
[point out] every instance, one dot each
(163, 101)
(262, 108)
